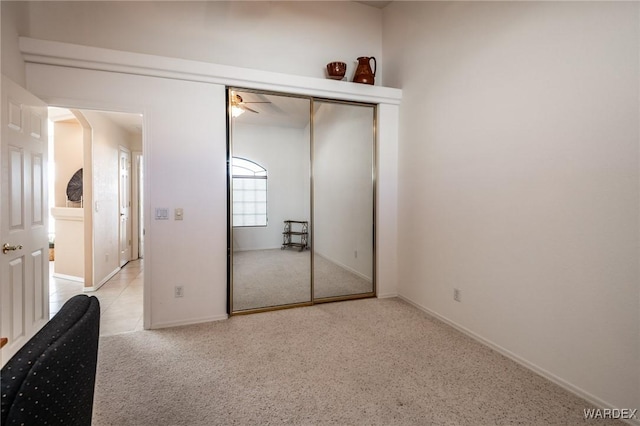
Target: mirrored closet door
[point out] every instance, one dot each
(301, 193)
(269, 185)
(343, 199)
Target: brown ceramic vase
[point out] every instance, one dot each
(364, 74)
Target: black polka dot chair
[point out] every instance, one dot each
(51, 379)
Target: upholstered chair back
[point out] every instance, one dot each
(51, 378)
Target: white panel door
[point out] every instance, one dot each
(24, 261)
(124, 204)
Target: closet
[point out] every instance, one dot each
(301, 175)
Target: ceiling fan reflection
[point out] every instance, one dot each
(238, 105)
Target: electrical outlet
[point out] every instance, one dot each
(456, 295)
(179, 291)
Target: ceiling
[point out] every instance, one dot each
(377, 4)
(274, 110)
(60, 114)
(132, 123)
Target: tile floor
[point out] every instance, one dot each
(120, 298)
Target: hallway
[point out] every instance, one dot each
(120, 298)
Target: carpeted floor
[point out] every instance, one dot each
(362, 362)
(273, 277)
(263, 278)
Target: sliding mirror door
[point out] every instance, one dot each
(301, 190)
(269, 154)
(343, 200)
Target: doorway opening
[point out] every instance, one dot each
(95, 187)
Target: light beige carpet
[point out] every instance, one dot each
(264, 278)
(363, 362)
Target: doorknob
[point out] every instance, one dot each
(6, 247)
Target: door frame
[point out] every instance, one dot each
(77, 106)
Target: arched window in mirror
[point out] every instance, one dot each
(249, 180)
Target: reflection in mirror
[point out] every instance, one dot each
(343, 203)
(270, 154)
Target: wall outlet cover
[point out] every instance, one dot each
(179, 291)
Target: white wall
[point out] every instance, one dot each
(245, 34)
(135, 142)
(69, 247)
(68, 227)
(185, 148)
(185, 167)
(67, 157)
(284, 152)
(15, 22)
(519, 180)
(343, 186)
(387, 128)
(107, 138)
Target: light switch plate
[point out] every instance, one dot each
(162, 213)
(179, 214)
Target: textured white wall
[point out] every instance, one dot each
(519, 179)
(288, 37)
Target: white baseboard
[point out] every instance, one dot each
(101, 283)
(191, 321)
(389, 296)
(343, 266)
(597, 402)
(256, 248)
(68, 277)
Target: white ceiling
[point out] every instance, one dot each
(132, 123)
(281, 111)
(273, 110)
(375, 3)
(60, 114)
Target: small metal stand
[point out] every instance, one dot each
(298, 229)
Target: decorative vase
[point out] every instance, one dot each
(363, 73)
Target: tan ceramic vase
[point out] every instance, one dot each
(363, 73)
